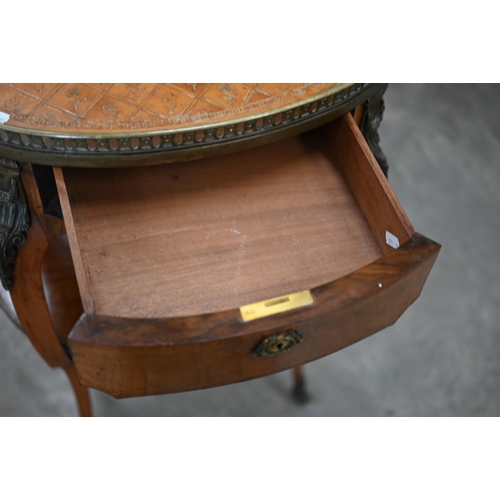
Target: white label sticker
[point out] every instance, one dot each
(391, 240)
(4, 117)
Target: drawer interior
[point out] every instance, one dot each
(211, 235)
(166, 257)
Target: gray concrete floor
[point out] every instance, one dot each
(441, 358)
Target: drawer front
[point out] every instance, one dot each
(125, 357)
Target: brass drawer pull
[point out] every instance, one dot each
(278, 343)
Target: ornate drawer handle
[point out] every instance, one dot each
(278, 343)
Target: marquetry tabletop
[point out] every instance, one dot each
(75, 124)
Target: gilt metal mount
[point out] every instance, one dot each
(14, 218)
(372, 117)
(277, 344)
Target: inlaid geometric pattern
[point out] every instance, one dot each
(84, 108)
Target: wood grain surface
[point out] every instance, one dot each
(213, 234)
(344, 144)
(135, 357)
(61, 288)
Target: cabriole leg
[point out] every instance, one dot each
(22, 272)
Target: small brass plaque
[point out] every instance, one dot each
(276, 305)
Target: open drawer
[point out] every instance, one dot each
(215, 271)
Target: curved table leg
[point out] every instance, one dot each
(27, 290)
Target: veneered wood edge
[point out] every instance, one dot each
(82, 278)
(344, 143)
(106, 350)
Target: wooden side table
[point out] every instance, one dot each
(140, 272)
